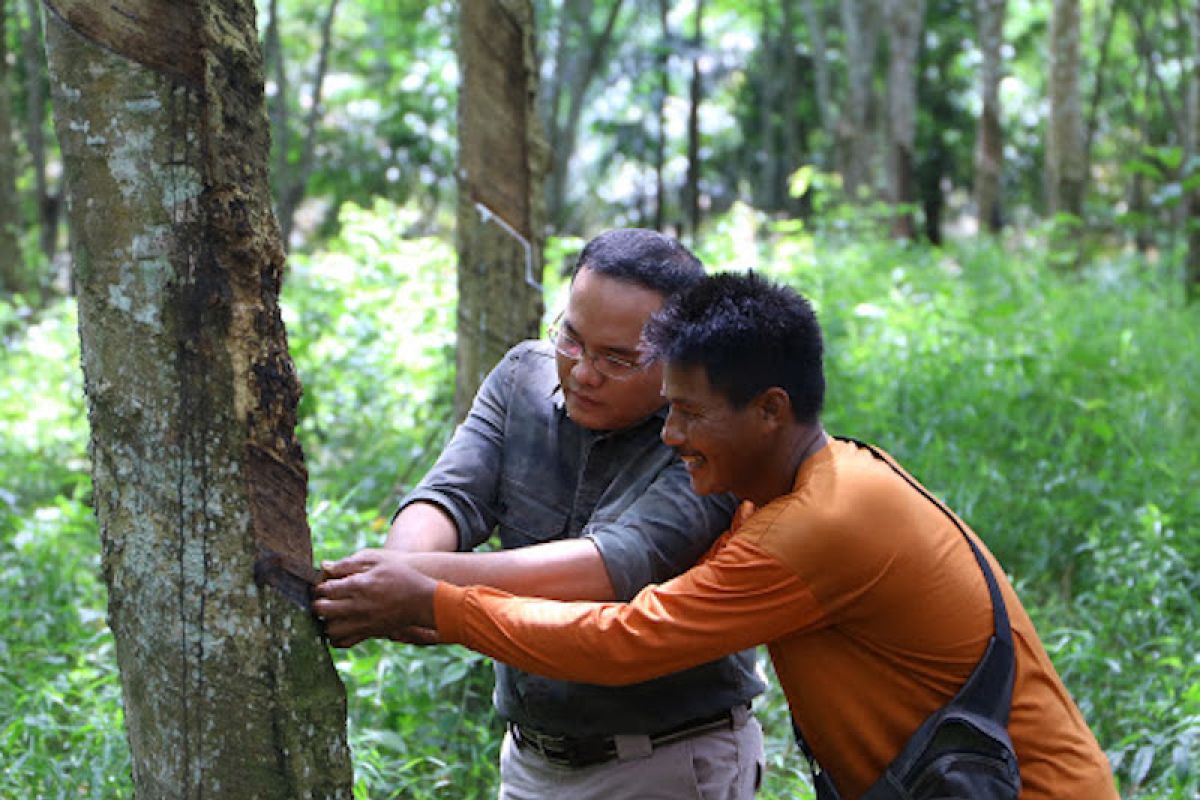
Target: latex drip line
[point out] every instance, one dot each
(487, 214)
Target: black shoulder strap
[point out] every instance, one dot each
(988, 690)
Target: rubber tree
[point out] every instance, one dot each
(501, 167)
(199, 481)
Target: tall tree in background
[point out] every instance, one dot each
(581, 52)
(501, 167)
(794, 128)
(989, 137)
(49, 200)
(905, 22)
(663, 61)
(1192, 161)
(695, 98)
(820, 58)
(11, 267)
(856, 145)
(198, 478)
(292, 174)
(1065, 156)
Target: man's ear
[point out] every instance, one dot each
(774, 406)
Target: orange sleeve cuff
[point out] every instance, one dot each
(448, 604)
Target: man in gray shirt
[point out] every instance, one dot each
(561, 456)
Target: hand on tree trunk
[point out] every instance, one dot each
(375, 594)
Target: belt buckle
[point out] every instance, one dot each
(563, 750)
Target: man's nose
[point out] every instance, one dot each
(585, 373)
(672, 434)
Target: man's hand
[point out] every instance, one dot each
(375, 594)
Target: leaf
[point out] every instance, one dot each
(801, 180)
(1140, 167)
(1142, 761)
(1171, 157)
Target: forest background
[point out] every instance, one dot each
(993, 206)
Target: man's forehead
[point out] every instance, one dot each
(685, 380)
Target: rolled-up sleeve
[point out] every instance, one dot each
(465, 480)
(661, 534)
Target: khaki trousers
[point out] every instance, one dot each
(720, 765)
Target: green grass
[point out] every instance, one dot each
(1057, 413)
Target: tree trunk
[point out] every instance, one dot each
(48, 203)
(277, 106)
(905, 21)
(293, 180)
(696, 97)
(580, 66)
(989, 140)
(793, 126)
(501, 167)
(1191, 151)
(763, 160)
(1065, 163)
(860, 19)
(664, 91)
(816, 31)
(12, 270)
(199, 481)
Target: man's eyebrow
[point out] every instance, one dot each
(620, 352)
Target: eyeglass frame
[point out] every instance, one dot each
(598, 361)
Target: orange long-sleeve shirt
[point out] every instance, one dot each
(871, 604)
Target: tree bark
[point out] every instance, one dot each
(793, 125)
(1192, 152)
(229, 688)
(11, 266)
(48, 202)
(905, 21)
(293, 180)
(989, 139)
(763, 160)
(816, 32)
(579, 68)
(860, 19)
(696, 97)
(501, 167)
(660, 102)
(277, 106)
(1065, 160)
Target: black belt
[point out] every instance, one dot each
(570, 751)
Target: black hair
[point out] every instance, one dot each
(749, 334)
(642, 257)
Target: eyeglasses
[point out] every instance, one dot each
(619, 368)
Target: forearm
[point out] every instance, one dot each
(421, 528)
(571, 569)
(739, 598)
(588, 642)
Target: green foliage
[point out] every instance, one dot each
(1055, 412)
(60, 728)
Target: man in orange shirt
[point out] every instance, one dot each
(873, 607)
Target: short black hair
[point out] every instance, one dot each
(749, 334)
(642, 257)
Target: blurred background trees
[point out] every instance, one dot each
(995, 204)
(964, 115)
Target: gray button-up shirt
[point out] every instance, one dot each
(519, 466)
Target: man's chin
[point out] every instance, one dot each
(587, 414)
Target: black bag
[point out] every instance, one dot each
(962, 751)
